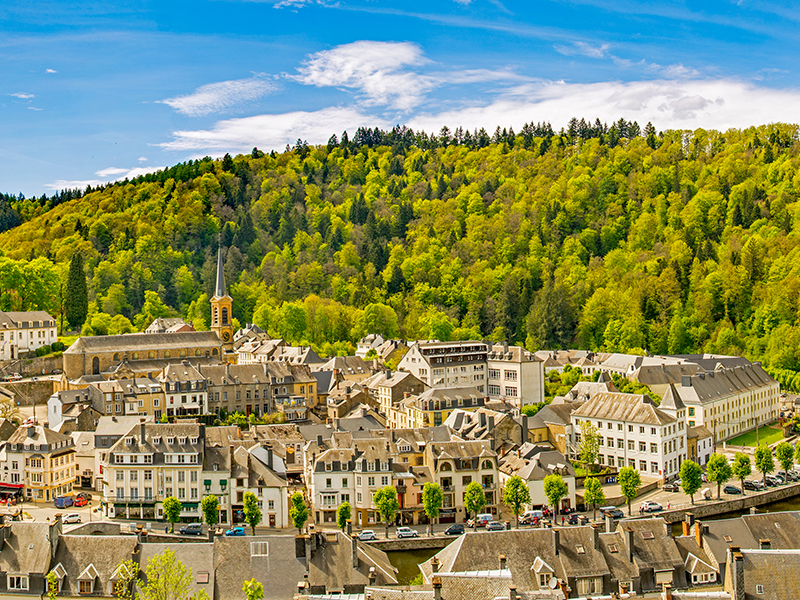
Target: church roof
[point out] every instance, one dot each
(220, 291)
(138, 341)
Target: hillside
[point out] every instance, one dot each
(597, 237)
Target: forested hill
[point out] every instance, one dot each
(597, 237)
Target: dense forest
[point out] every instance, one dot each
(607, 238)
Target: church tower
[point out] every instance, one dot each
(221, 309)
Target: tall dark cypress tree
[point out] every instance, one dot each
(77, 298)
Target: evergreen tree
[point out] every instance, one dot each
(76, 302)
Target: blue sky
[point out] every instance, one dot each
(99, 90)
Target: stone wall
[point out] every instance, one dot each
(420, 543)
(32, 367)
(29, 392)
(707, 508)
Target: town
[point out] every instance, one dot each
(292, 469)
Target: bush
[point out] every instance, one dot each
(57, 346)
(43, 350)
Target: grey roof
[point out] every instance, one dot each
(630, 408)
(219, 290)
(653, 548)
(558, 413)
(671, 400)
(76, 553)
(15, 318)
(199, 557)
(135, 341)
(26, 548)
(722, 383)
(118, 426)
(776, 570)
(37, 434)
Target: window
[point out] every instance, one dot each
(691, 411)
(654, 467)
(589, 585)
(642, 447)
(620, 443)
(619, 426)
(652, 431)
(653, 448)
(631, 445)
(511, 391)
(371, 481)
(384, 480)
(271, 504)
(610, 442)
(510, 375)
(259, 548)
(643, 465)
(328, 483)
(544, 580)
(641, 429)
(17, 582)
(759, 588)
(630, 428)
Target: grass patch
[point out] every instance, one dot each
(767, 434)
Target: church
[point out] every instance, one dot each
(147, 354)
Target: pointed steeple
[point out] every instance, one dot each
(220, 290)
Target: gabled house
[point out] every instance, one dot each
(88, 565)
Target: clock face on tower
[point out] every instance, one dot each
(226, 336)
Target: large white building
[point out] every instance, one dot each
(515, 375)
(22, 332)
(634, 432)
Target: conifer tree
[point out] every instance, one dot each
(77, 299)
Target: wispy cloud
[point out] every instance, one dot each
(142, 159)
(22, 95)
(222, 96)
(378, 70)
(50, 71)
(108, 175)
(34, 108)
(272, 131)
(582, 49)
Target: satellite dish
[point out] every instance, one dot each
(553, 583)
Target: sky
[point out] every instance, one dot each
(96, 91)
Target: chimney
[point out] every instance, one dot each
(698, 533)
(689, 518)
(319, 440)
(307, 540)
(623, 589)
(629, 542)
(556, 535)
(685, 528)
(764, 544)
(388, 373)
(141, 431)
(437, 588)
(269, 456)
(609, 524)
(406, 395)
(350, 527)
(563, 587)
(31, 431)
(435, 565)
(347, 390)
(482, 418)
(686, 381)
(354, 550)
(512, 593)
(491, 422)
(596, 536)
(502, 562)
(737, 576)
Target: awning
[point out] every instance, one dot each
(11, 488)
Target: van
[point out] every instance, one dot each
(481, 520)
(64, 502)
(528, 516)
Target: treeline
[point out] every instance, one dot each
(603, 237)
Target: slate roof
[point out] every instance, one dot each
(199, 557)
(778, 571)
(671, 400)
(629, 408)
(132, 341)
(76, 553)
(41, 435)
(26, 548)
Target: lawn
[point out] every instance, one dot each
(767, 434)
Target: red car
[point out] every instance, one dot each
(80, 501)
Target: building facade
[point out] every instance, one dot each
(43, 460)
(447, 364)
(23, 332)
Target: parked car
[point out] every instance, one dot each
(480, 521)
(672, 486)
(651, 506)
(406, 532)
(72, 518)
(86, 495)
(573, 519)
(64, 501)
(80, 501)
(456, 529)
(755, 486)
(495, 526)
(192, 529)
(773, 481)
(731, 489)
(612, 511)
(528, 516)
(788, 476)
(367, 536)
(235, 532)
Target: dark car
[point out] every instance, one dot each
(731, 489)
(671, 487)
(755, 486)
(457, 529)
(612, 511)
(573, 519)
(495, 526)
(192, 529)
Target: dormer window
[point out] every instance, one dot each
(157, 440)
(181, 440)
(60, 573)
(170, 440)
(193, 440)
(129, 440)
(18, 582)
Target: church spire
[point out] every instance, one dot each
(220, 291)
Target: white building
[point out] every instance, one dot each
(22, 332)
(515, 375)
(185, 389)
(367, 343)
(447, 364)
(634, 432)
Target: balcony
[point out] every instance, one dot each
(132, 500)
(448, 488)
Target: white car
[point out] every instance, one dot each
(72, 518)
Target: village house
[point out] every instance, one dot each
(24, 332)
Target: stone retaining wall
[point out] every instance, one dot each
(33, 367)
(420, 543)
(707, 508)
(29, 392)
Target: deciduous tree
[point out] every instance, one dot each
(629, 483)
(387, 504)
(474, 498)
(765, 464)
(741, 467)
(593, 494)
(172, 511)
(298, 512)
(691, 475)
(719, 471)
(516, 495)
(555, 488)
(432, 499)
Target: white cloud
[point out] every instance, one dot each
(142, 159)
(221, 96)
(273, 131)
(104, 174)
(678, 71)
(708, 103)
(463, 2)
(22, 95)
(582, 49)
(378, 70)
(50, 71)
(34, 108)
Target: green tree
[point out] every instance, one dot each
(127, 574)
(52, 585)
(172, 511)
(432, 499)
(551, 320)
(253, 589)
(168, 579)
(343, 514)
(785, 455)
(593, 494)
(719, 471)
(741, 467)
(765, 464)
(691, 475)
(516, 495)
(378, 318)
(298, 511)
(629, 483)
(589, 448)
(210, 507)
(555, 488)
(76, 301)
(474, 498)
(387, 504)
(252, 514)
